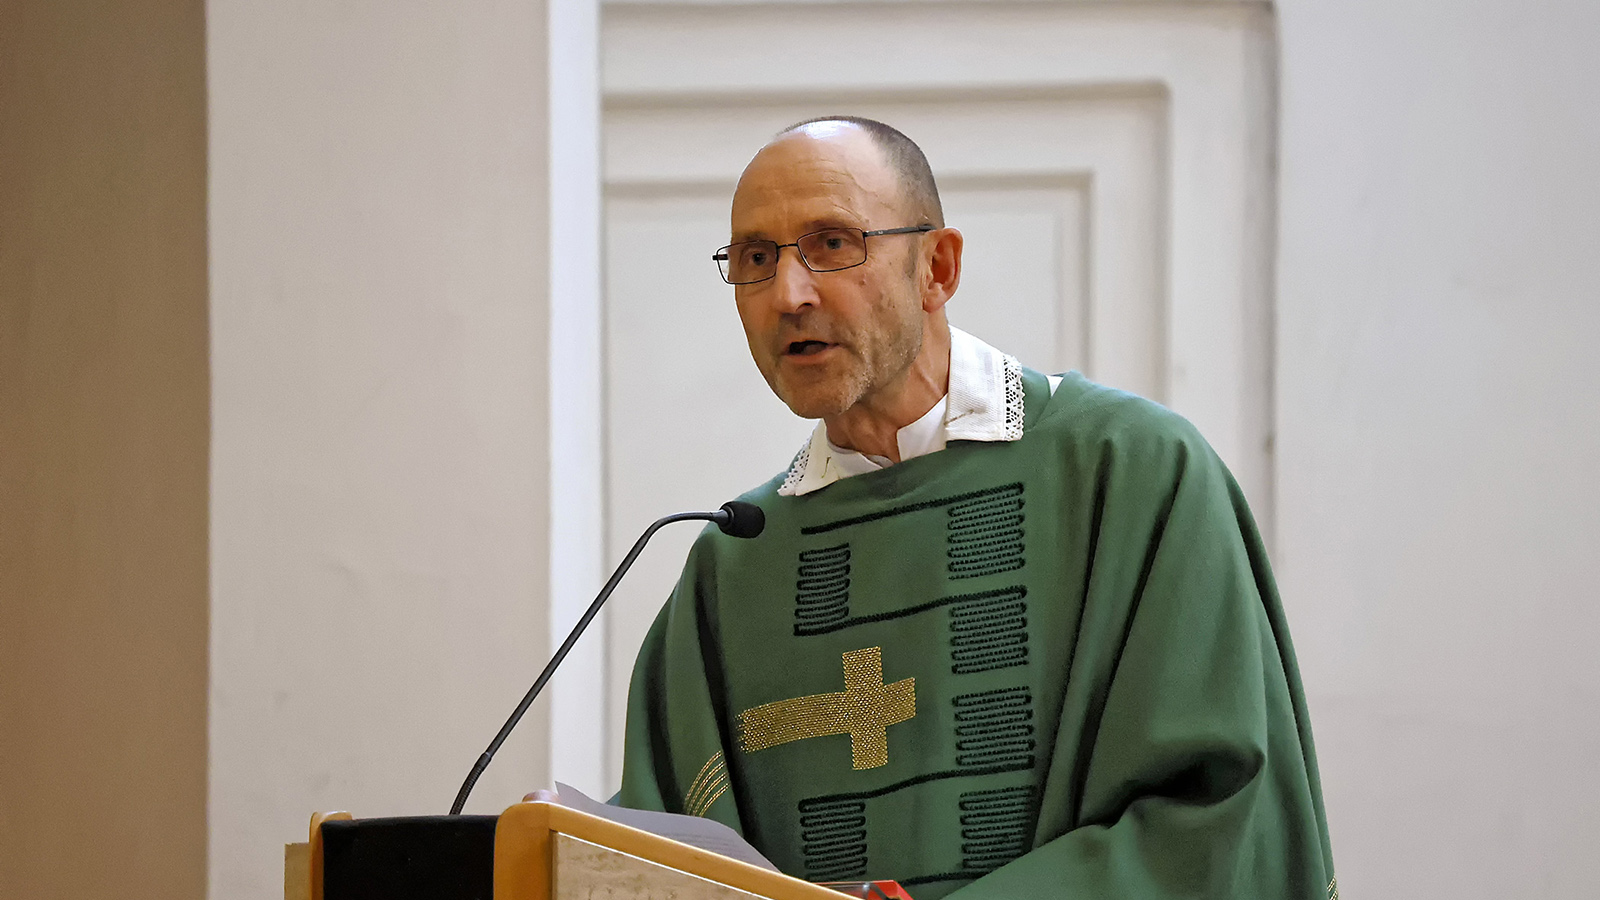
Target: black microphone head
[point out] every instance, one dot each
(743, 520)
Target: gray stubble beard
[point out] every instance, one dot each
(904, 351)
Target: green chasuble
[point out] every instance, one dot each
(1050, 667)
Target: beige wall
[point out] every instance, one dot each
(1439, 431)
(103, 441)
(380, 468)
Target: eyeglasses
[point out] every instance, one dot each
(822, 251)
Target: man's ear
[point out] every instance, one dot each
(943, 274)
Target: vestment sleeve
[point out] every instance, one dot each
(674, 757)
(1183, 722)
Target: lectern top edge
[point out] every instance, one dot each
(523, 855)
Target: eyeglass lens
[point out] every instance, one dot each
(821, 251)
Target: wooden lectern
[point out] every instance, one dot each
(543, 851)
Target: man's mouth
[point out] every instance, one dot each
(806, 348)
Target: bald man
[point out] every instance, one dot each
(1006, 635)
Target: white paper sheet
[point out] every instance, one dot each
(706, 834)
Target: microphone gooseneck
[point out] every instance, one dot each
(736, 518)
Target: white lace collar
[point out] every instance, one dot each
(984, 403)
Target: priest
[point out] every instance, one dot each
(1007, 634)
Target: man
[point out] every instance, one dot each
(1005, 635)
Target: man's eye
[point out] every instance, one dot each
(756, 257)
(835, 243)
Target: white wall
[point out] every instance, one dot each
(380, 471)
(1439, 427)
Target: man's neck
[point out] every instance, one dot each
(872, 426)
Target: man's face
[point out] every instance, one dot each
(825, 341)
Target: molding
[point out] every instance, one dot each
(1042, 90)
(688, 4)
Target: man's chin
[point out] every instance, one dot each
(820, 402)
(812, 408)
(816, 392)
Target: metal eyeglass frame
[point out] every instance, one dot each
(722, 254)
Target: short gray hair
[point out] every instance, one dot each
(907, 160)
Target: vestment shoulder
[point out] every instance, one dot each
(1087, 416)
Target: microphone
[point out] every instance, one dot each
(736, 518)
(740, 519)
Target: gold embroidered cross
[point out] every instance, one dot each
(864, 710)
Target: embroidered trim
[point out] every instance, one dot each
(997, 826)
(822, 589)
(707, 786)
(705, 807)
(1015, 397)
(989, 632)
(864, 710)
(995, 728)
(833, 836)
(1333, 889)
(985, 535)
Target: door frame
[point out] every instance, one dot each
(659, 58)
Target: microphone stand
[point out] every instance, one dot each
(724, 517)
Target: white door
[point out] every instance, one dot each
(1109, 165)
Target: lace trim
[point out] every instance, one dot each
(797, 469)
(1015, 397)
(1016, 415)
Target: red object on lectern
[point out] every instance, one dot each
(869, 890)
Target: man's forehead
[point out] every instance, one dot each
(834, 172)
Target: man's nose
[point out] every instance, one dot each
(793, 287)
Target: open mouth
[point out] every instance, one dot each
(806, 348)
